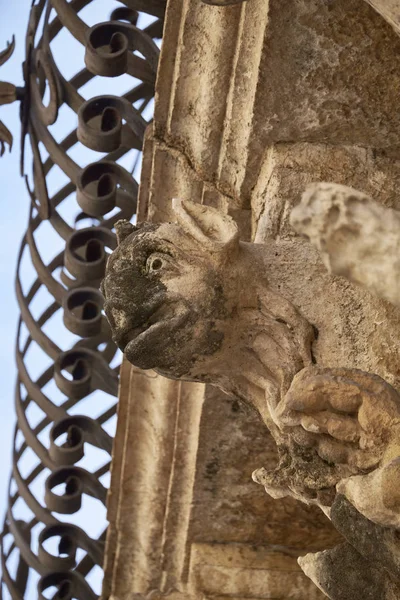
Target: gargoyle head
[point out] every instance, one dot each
(164, 292)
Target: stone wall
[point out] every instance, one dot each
(254, 101)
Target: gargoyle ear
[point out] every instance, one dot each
(123, 228)
(208, 226)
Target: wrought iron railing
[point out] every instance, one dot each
(54, 531)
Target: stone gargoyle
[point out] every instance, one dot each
(192, 301)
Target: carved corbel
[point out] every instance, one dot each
(193, 302)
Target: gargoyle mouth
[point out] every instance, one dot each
(148, 339)
(158, 321)
(123, 339)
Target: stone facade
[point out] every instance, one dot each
(254, 102)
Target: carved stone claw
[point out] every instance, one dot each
(352, 420)
(349, 416)
(302, 475)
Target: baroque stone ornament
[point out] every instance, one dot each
(173, 292)
(193, 302)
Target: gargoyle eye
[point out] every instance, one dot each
(154, 263)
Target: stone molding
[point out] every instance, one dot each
(254, 102)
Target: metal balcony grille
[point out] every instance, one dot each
(82, 138)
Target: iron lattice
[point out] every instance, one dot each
(58, 426)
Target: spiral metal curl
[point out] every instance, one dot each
(66, 396)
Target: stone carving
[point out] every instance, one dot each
(352, 418)
(172, 292)
(359, 239)
(193, 302)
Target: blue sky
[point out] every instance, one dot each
(14, 214)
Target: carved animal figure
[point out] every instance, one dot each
(191, 301)
(172, 292)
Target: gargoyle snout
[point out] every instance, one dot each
(127, 320)
(118, 319)
(120, 322)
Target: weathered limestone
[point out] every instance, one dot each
(165, 522)
(255, 101)
(223, 2)
(357, 238)
(245, 572)
(390, 10)
(343, 573)
(152, 502)
(193, 302)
